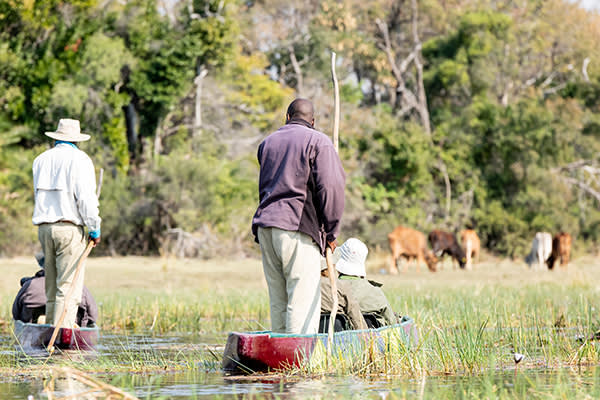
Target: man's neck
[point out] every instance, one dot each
(299, 121)
(56, 143)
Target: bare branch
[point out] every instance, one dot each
(423, 110)
(572, 166)
(297, 71)
(581, 167)
(409, 99)
(405, 63)
(582, 185)
(405, 110)
(388, 51)
(584, 69)
(549, 79)
(554, 89)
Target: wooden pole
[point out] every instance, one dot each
(334, 297)
(336, 101)
(328, 254)
(87, 251)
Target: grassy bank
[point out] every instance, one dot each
(469, 321)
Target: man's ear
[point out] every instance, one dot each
(313, 122)
(287, 117)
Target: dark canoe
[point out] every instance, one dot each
(249, 352)
(37, 336)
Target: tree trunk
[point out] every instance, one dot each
(198, 105)
(409, 100)
(297, 71)
(444, 171)
(421, 96)
(131, 128)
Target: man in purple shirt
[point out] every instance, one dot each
(301, 190)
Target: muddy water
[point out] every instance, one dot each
(207, 382)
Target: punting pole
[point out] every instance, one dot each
(86, 252)
(328, 253)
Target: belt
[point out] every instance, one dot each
(62, 221)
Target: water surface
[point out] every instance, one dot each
(206, 381)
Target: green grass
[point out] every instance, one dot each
(470, 322)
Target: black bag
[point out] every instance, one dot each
(341, 323)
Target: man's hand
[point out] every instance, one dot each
(332, 245)
(95, 240)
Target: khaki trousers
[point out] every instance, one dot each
(63, 244)
(291, 262)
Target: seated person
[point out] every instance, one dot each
(371, 299)
(30, 303)
(348, 315)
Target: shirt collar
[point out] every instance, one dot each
(299, 121)
(349, 277)
(63, 142)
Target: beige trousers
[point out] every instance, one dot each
(291, 262)
(63, 244)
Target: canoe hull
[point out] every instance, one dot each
(37, 336)
(249, 352)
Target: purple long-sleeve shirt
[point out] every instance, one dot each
(32, 298)
(301, 183)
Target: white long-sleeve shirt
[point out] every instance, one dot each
(64, 183)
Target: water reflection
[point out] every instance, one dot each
(202, 385)
(565, 383)
(67, 387)
(561, 383)
(207, 382)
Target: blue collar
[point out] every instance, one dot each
(63, 142)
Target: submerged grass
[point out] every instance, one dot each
(123, 356)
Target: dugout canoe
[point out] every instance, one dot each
(249, 352)
(37, 336)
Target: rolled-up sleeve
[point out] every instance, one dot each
(85, 195)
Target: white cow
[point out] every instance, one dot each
(541, 248)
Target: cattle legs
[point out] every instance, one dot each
(393, 265)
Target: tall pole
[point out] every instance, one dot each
(86, 252)
(328, 254)
(336, 101)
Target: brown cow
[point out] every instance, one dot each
(445, 243)
(410, 244)
(561, 247)
(471, 245)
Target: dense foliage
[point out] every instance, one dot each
(454, 113)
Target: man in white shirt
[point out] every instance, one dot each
(64, 184)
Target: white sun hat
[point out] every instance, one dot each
(352, 256)
(68, 130)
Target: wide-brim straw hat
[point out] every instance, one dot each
(68, 131)
(352, 256)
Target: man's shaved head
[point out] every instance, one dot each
(301, 109)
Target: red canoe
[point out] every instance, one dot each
(37, 336)
(248, 352)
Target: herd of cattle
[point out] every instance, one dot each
(411, 244)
